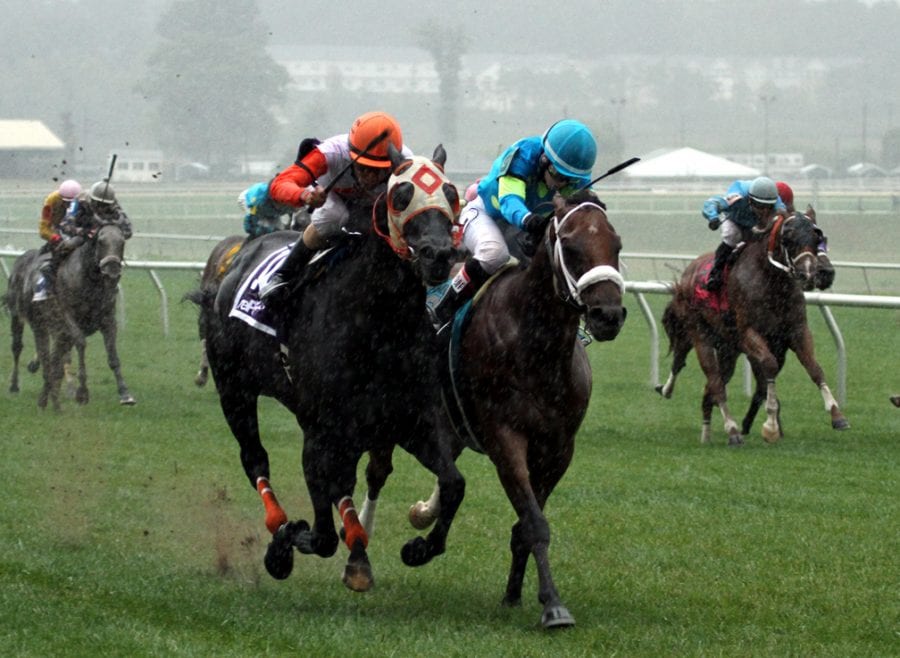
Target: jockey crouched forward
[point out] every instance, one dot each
(525, 176)
(746, 204)
(262, 215)
(355, 166)
(86, 212)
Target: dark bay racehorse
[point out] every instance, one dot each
(361, 374)
(524, 380)
(84, 302)
(217, 264)
(766, 316)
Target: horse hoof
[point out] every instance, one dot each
(200, 381)
(82, 397)
(127, 401)
(557, 616)
(840, 424)
(418, 518)
(279, 558)
(13, 389)
(735, 440)
(415, 552)
(358, 577)
(33, 366)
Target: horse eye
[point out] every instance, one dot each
(400, 195)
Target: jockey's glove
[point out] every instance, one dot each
(534, 223)
(715, 223)
(55, 238)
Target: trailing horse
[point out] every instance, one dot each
(762, 314)
(84, 302)
(354, 366)
(522, 380)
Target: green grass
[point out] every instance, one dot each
(133, 531)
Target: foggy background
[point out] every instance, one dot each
(235, 84)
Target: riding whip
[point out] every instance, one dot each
(619, 167)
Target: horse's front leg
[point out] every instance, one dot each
(108, 329)
(805, 351)
(714, 394)
(766, 365)
(17, 329)
(82, 395)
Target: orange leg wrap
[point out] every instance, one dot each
(353, 529)
(275, 516)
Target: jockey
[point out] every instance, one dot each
(825, 271)
(525, 176)
(54, 211)
(357, 164)
(262, 215)
(746, 204)
(85, 213)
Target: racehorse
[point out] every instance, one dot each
(216, 265)
(355, 366)
(762, 315)
(84, 302)
(523, 379)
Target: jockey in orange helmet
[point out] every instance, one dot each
(352, 167)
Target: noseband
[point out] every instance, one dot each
(776, 244)
(575, 287)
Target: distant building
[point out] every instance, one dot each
(134, 166)
(29, 149)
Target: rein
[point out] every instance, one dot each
(575, 287)
(774, 243)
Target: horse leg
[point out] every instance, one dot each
(533, 533)
(378, 470)
(759, 395)
(202, 374)
(17, 328)
(82, 395)
(108, 329)
(438, 457)
(681, 347)
(766, 364)
(714, 394)
(805, 351)
(423, 513)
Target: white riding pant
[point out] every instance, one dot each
(482, 237)
(330, 217)
(732, 234)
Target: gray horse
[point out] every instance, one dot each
(84, 301)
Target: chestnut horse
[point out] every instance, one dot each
(354, 365)
(523, 380)
(762, 315)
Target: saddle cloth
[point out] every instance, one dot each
(717, 301)
(247, 305)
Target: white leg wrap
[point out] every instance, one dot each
(830, 402)
(367, 515)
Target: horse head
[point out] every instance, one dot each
(793, 247)
(422, 207)
(108, 247)
(584, 248)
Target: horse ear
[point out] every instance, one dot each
(440, 156)
(810, 212)
(396, 156)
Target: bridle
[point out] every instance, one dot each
(566, 285)
(776, 249)
(110, 259)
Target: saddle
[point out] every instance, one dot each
(451, 387)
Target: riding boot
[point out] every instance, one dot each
(273, 292)
(715, 279)
(456, 292)
(49, 269)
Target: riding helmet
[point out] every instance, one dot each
(369, 138)
(102, 192)
(571, 148)
(786, 193)
(763, 190)
(69, 189)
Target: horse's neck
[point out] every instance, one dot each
(545, 314)
(774, 280)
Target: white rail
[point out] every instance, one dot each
(639, 288)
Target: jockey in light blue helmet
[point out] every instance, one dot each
(571, 149)
(516, 191)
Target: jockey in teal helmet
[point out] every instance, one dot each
(526, 175)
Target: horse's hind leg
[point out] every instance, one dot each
(714, 394)
(17, 328)
(202, 374)
(112, 358)
(378, 470)
(680, 344)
